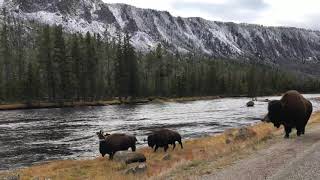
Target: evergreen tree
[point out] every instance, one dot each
(83, 69)
(100, 78)
(6, 57)
(92, 66)
(130, 65)
(58, 65)
(32, 84)
(77, 64)
(160, 72)
(108, 71)
(45, 61)
(252, 82)
(120, 70)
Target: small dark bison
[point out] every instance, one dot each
(162, 138)
(292, 111)
(250, 104)
(110, 144)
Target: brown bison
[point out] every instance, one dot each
(110, 144)
(162, 138)
(292, 111)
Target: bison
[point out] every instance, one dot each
(292, 111)
(110, 144)
(162, 138)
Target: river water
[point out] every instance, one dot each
(28, 137)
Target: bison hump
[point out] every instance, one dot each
(293, 100)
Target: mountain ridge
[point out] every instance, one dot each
(148, 28)
(226, 22)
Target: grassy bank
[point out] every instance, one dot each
(200, 156)
(42, 105)
(195, 151)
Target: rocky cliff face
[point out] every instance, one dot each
(149, 27)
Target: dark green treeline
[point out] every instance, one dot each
(42, 63)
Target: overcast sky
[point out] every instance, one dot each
(298, 13)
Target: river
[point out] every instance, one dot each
(29, 137)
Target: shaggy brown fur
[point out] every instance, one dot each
(162, 138)
(110, 144)
(292, 111)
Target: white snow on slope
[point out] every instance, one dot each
(149, 27)
(71, 24)
(116, 11)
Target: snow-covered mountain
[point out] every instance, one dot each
(150, 27)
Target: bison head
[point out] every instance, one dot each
(274, 113)
(100, 135)
(102, 141)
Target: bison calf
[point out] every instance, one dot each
(110, 144)
(162, 138)
(292, 111)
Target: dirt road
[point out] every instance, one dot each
(296, 158)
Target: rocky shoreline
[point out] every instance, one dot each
(48, 105)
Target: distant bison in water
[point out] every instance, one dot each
(110, 144)
(162, 138)
(250, 104)
(292, 111)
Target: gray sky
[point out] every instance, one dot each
(298, 13)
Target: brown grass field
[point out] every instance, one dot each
(200, 156)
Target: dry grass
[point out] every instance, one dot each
(195, 159)
(100, 168)
(239, 150)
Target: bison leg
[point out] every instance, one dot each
(156, 148)
(303, 129)
(181, 144)
(174, 145)
(111, 156)
(133, 148)
(299, 133)
(166, 147)
(288, 131)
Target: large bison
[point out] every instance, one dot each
(110, 144)
(292, 111)
(164, 137)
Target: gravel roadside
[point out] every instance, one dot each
(289, 159)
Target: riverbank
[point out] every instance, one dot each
(48, 105)
(199, 157)
(194, 152)
(195, 159)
